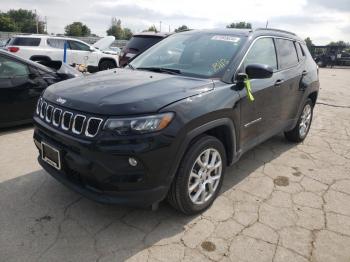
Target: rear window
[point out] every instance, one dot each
(141, 43)
(287, 54)
(25, 41)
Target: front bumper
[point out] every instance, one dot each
(99, 169)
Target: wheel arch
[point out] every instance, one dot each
(223, 129)
(107, 59)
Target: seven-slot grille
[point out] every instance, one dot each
(78, 124)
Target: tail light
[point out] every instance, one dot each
(13, 49)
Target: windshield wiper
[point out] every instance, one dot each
(161, 70)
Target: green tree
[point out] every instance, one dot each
(127, 33)
(152, 28)
(116, 29)
(240, 25)
(339, 43)
(7, 24)
(77, 29)
(181, 28)
(21, 20)
(308, 43)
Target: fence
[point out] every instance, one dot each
(87, 39)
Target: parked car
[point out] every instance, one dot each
(21, 84)
(138, 44)
(168, 125)
(46, 48)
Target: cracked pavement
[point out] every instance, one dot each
(280, 202)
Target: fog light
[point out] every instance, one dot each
(132, 161)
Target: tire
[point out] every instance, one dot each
(298, 133)
(106, 64)
(180, 196)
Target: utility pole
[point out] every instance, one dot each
(169, 28)
(267, 23)
(37, 22)
(160, 26)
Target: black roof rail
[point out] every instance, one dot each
(273, 29)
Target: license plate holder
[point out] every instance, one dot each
(51, 155)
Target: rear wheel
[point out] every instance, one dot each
(106, 64)
(199, 177)
(300, 131)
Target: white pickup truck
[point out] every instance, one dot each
(50, 48)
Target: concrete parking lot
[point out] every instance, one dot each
(280, 202)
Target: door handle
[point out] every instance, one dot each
(279, 82)
(304, 73)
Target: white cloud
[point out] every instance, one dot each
(322, 20)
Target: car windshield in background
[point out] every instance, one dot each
(201, 55)
(25, 41)
(141, 43)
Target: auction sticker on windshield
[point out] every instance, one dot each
(226, 38)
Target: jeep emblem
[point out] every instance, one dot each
(61, 100)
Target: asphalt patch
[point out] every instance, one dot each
(281, 181)
(208, 246)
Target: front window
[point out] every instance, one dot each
(10, 68)
(192, 54)
(75, 45)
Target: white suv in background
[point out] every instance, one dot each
(50, 48)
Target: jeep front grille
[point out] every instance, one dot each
(68, 121)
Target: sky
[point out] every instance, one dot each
(321, 20)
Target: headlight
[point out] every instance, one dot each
(139, 125)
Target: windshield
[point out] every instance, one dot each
(205, 55)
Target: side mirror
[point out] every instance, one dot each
(259, 71)
(92, 49)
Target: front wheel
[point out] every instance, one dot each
(199, 177)
(300, 131)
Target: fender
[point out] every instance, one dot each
(200, 130)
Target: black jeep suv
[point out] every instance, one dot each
(168, 124)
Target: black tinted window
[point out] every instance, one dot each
(25, 41)
(141, 43)
(75, 45)
(262, 52)
(56, 43)
(287, 55)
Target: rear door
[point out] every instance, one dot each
(262, 115)
(290, 73)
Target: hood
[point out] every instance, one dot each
(125, 91)
(104, 43)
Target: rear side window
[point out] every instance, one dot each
(300, 51)
(25, 41)
(287, 54)
(141, 43)
(56, 43)
(262, 52)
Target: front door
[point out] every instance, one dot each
(19, 91)
(260, 117)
